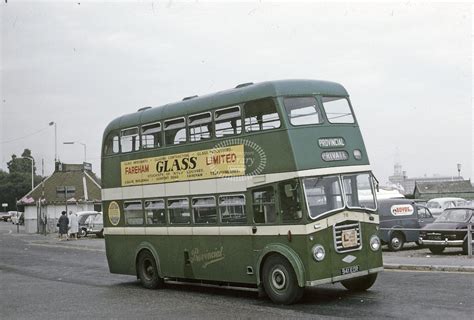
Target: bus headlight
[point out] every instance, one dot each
(318, 252)
(374, 243)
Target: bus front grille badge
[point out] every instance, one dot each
(349, 259)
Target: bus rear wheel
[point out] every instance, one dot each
(361, 283)
(148, 271)
(280, 282)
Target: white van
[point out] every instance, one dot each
(437, 205)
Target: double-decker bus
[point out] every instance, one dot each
(265, 185)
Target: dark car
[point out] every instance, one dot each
(448, 230)
(398, 214)
(5, 216)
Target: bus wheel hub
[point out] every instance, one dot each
(278, 279)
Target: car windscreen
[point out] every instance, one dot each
(456, 215)
(433, 205)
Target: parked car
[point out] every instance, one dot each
(95, 225)
(5, 216)
(82, 217)
(438, 205)
(399, 214)
(448, 230)
(17, 217)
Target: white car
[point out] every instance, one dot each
(95, 225)
(438, 205)
(82, 217)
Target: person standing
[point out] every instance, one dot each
(73, 225)
(63, 224)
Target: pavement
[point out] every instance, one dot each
(411, 257)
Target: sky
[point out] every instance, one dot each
(407, 67)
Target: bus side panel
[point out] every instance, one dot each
(120, 251)
(238, 256)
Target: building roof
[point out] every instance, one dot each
(444, 187)
(85, 183)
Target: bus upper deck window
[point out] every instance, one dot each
(337, 110)
(200, 126)
(129, 140)
(303, 110)
(261, 115)
(175, 131)
(112, 144)
(228, 121)
(151, 136)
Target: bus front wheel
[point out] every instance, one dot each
(148, 271)
(361, 283)
(280, 282)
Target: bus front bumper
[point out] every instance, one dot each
(343, 277)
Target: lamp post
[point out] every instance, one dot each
(55, 142)
(32, 173)
(83, 144)
(459, 170)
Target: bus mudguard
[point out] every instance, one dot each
(148, 246)
(289, 254)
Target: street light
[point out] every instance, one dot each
(55, 142)
(83, 144)
(459, 170)
(32, 174)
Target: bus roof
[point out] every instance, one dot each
(239, 94)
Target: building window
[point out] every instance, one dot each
(175, 131)
(228, 121)
(151, 136)
(200, 127)
(232, 209)
(133, 213)
(65, 192)
(178, 210)
(155, 211)
(129, 140)
(261, 115)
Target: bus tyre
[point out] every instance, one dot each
(396, 241)
(361, 283)
(436, 249)
(147, 271)
(279, 281)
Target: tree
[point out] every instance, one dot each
(17, 182)
(21, 165)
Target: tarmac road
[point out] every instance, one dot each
(42, 278)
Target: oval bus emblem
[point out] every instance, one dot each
(114, 213)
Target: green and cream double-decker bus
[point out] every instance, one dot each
(265, 185)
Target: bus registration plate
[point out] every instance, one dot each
(350, 269)
(349, 238)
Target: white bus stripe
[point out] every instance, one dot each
(219, 185)
(262, 230)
